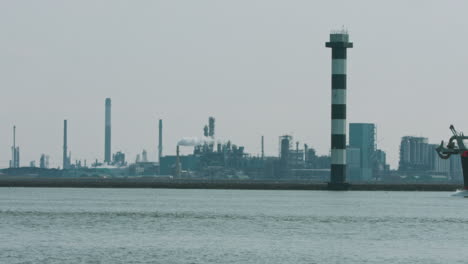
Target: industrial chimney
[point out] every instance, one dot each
(160, 144)
(65, 135)
(107, 143)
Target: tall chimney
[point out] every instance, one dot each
(14, 149)
(263, 148)
(177, 165)
(65, 157)
(160, 144)
(107, 144)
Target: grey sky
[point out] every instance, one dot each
(260, 67)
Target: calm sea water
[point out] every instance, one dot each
(42, 225)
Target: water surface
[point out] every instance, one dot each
(65, 225)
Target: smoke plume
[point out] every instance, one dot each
(194, 141)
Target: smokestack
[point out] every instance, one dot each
(306, 151)
(177, 166)
(14, 162)
(160, 145)
(107, 144)
(211, 126)
(339, 43)
(65, 158)
(263, 148)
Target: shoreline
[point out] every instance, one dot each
(152, 183)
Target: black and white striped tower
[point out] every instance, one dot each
(339, 42)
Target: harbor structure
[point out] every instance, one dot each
(339, 43)
(107, 136)
(456, 146)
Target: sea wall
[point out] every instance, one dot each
(208, 184)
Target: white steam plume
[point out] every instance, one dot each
(194, 141)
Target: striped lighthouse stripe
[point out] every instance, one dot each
(339, 43)
(339, 96)
(339, 66)
(338, 126)
(338, 156)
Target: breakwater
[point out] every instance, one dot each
(212, 184)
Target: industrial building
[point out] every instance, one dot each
(418, 160)
(210, 159)
(362, 136)
(353, 160)
(214, 160)
(44, 161)
(367, 162)
(414, 154)
(295, 163)
(118, 159)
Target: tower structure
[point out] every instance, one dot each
(178, 167)
(211, 127)
(160, 144)
(107, 143)
(285, 151)
(13, 150)
(263, 148)
(339, 43)
(65, 162)
(14, 162)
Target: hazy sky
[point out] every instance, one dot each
(260, 67)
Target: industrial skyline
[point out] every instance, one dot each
(359, 161)
(260, 74)
(206, 131)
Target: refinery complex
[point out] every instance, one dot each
(354, 156)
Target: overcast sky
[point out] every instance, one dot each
(260, 67)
